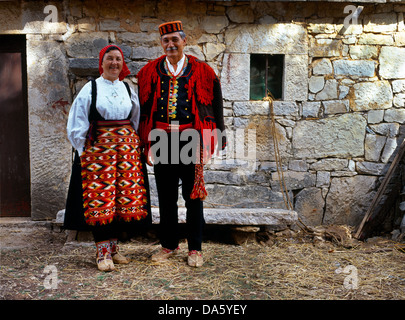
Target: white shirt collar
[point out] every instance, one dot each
(179, 65)
(109, 81)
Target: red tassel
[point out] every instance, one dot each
(199, 191)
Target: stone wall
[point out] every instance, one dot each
(338, 123)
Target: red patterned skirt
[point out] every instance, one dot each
(112, 178)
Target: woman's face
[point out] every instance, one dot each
(112, 65)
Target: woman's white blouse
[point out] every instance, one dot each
(113, 103)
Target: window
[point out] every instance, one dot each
(266, 75)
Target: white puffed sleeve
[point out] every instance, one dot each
(135, 111)
(78, 120)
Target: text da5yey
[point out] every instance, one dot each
(223, 309)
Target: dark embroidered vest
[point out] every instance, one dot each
(173, 103)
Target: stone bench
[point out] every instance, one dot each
(229, 216)
(240, 216)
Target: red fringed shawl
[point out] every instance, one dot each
(201, 93)
(202, 74)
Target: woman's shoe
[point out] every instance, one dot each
(104, 260)
(117, 257)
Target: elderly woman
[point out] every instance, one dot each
(102, 127)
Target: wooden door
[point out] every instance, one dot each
(15, 197)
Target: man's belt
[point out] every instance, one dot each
(168, 127)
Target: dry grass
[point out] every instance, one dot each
(284, 268)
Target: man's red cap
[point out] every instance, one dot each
(170, 27)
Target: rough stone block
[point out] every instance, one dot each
(341, 136)
(242, 14)
(381, 22)
(392, 63)
(386, 129)
(322, 66)
(294, 180)
(357, 68)
(330, 164)
(395, 115)
(316, 83)
(140, 38)
(246, 196)
(363, 52)
(235, 80)
(325, 48)
(285, 108)
(146, 53)
(335, 106)
(212, 50)
(269, 39)
(375, 116)
(84, 67)
(329, 91)
(309, 206)
(373, 147)
(399, 100)
(86, 45)
(371, 95)
(376, 39)
(295, 84)
(398, 86)
(249, 108)
(310, 109)
(389, 149)
(322, 179)
(214, 24)
(371, 168)
(357, 192)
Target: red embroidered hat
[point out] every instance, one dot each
(124, 72)
(169, 27)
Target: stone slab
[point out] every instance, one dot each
(268, 39)
(239, 216)
(341, 136)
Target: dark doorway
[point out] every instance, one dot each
(15, 195)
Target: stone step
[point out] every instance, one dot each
(240, 216)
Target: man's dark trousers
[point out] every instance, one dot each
(168, 177)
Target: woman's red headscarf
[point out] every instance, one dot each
(124, 72)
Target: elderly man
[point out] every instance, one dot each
(179, 93)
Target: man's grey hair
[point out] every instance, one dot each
(182, 35)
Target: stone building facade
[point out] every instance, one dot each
(338, 121)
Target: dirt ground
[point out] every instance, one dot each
(38, 263)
